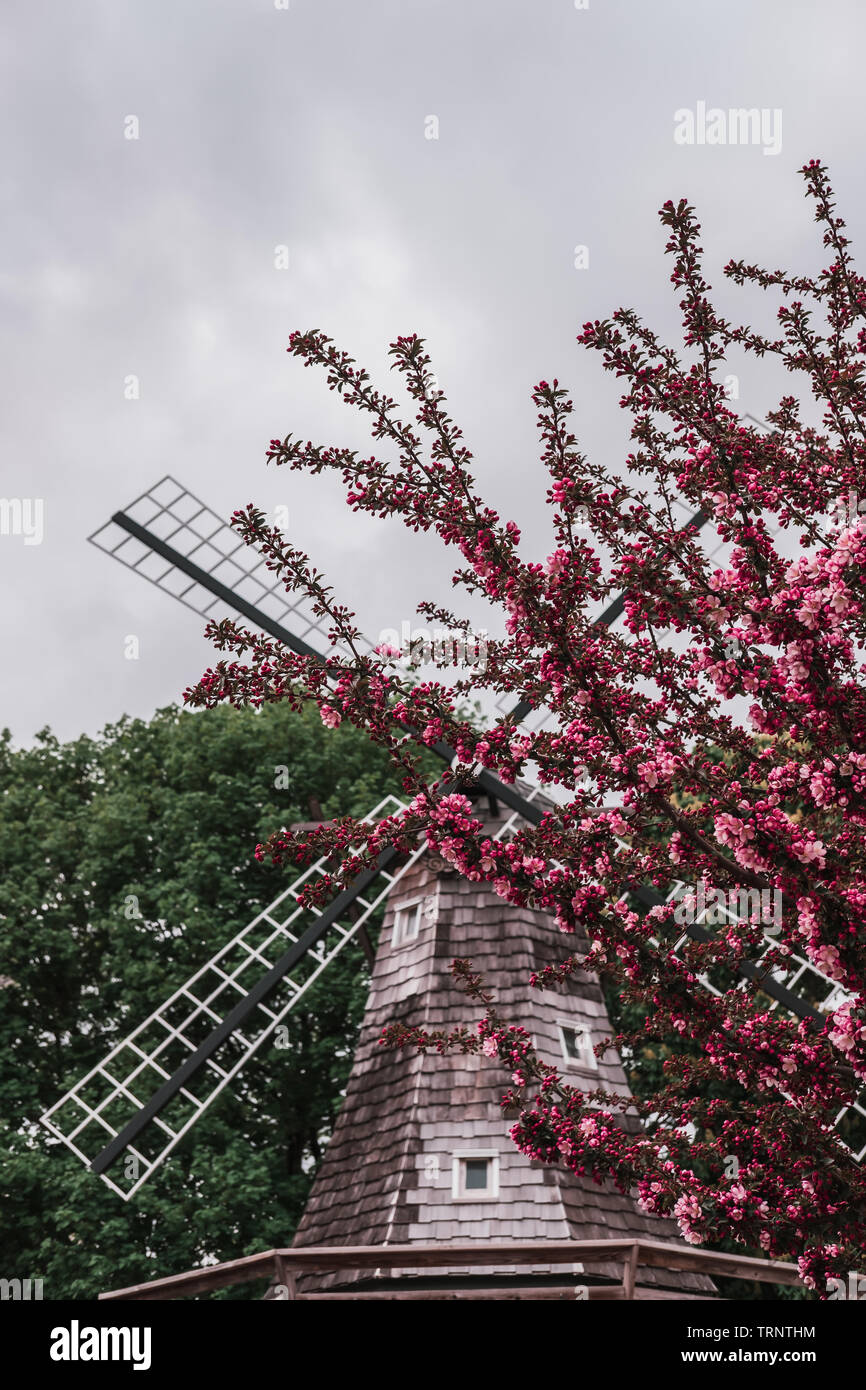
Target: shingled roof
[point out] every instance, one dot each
(391, 1172)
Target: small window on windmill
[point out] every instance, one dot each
(475, 1175)
(577, 1046)
(407, 922)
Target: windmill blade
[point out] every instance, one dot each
(180, 545)
(536, 720)
(815, 993)
(192, 1046)
(608, 616)
(194, 1033)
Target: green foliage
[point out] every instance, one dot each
(168, 811)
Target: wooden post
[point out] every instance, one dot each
(285, 1276)
(629, 1271)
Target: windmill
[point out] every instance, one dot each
(135, 1106)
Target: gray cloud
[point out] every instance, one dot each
(305, 127)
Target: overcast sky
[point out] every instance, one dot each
(307, 127)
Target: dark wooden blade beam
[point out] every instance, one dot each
(762, 978)
(282, 634)
(257, 995)
(612, 612)
(207, 581)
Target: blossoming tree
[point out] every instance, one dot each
(720, 738)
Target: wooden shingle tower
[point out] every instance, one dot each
(421, 1151)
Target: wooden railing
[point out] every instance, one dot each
(283, 1267)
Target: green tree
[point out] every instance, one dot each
(166, 814)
